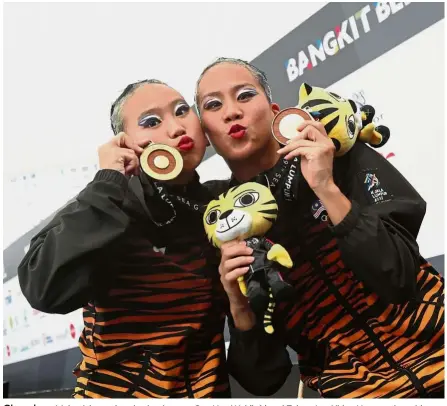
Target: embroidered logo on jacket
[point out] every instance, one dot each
(371, 181)
(374, 191)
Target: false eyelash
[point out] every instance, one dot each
(205, 106)
(249, 91)
(145, 120)
(181, 105)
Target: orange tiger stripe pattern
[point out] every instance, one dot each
(159, 331)
(349, 343)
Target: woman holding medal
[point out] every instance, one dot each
(368, 318)
(132, 252)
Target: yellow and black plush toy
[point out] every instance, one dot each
(247, 212)
(342, 120)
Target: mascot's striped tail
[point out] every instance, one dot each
(268, 315)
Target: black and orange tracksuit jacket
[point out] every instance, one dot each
(153, 321)
(367, 320)
(368, 316)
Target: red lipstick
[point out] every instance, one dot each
(186, 143)
(237, 131)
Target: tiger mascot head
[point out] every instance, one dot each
(247, 210)
(343, 121)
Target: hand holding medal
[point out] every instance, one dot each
(305, 138)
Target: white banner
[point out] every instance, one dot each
(28, 333)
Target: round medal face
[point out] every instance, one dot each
(285, 123)
(161, 162)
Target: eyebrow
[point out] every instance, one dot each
(234, 89)
(152, 110)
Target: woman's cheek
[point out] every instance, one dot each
(258, 113)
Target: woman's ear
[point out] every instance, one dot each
(275, 108)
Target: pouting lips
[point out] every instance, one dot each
(237, 131)
(186, 143)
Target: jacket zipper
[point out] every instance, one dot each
(368, 330)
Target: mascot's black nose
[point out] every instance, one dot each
(225, 214)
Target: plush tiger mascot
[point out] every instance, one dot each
(343, 121)
(247, 212)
